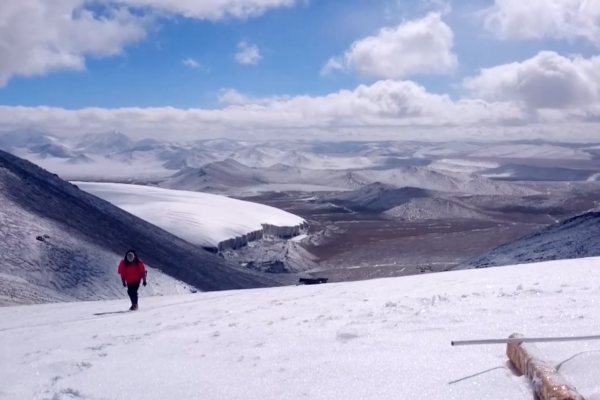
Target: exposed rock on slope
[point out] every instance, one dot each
(87, 235)
(378, 197)
(576, 237)
(420, 209)
(281, 232)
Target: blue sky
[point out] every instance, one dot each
(295, 42)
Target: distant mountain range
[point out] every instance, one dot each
(102, 156)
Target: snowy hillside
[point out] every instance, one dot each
(573, 238)
(208, 220)
(422, 209)
(407, 203)
(446, 181)
(264, 157)
(373, 340)
(230, 176)
(81, 237)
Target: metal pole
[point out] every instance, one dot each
(524, 340)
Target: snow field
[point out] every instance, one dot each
(380, 339)
(200, 218)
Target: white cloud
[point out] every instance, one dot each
(38, 36)
(248, 54)
(538, 19)
(42, 36)
(210, 9)
(416, 47)
(386, 106)
(546, 81)
(333, 64)
(191, 63)
(387, 109)
(233, 97)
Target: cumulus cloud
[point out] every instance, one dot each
(248, 54)
(546, 81)
(386, 105)
(191, 63)
(538, 19)
(422, 46)
(210, 9)
(40, 36)
(333, 64)
(233, 97)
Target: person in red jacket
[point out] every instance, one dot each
(132, 272)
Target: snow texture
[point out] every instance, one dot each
(208, 220)
(60, 243)
(384, 339)
(573, 238)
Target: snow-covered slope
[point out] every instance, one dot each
(86, 236)
(208, 220)
(25, 138)
(110, 168)
(104, 143)
(425, 178)
(264, 157)
(407, 203)
(422, 209)
(573, 238)
(230, 175)
(383, 339)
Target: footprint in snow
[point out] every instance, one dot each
(346, 336)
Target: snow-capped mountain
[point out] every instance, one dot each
(444, 166)
(230, 175)
(104, 143)
(406, 203)
(383, 339)
(575, 237)
(188, 158)
(379, 197)
(25, 138)
(60, 243)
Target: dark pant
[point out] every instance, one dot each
(132, 291)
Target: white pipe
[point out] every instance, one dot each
(524, 340)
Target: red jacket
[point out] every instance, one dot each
(132, 272)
